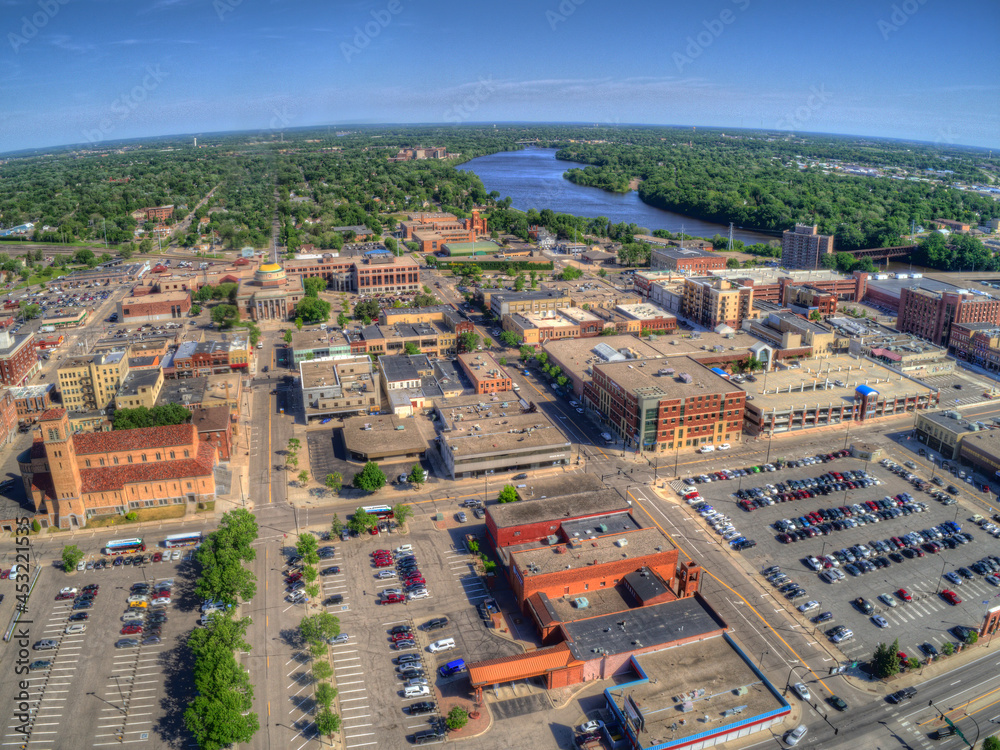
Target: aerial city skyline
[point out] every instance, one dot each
(92, 72)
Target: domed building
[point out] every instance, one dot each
(271, 294)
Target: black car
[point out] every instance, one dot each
(332, 570)
(83, 605)
(78, 617)
(401, 629)
(436, 623)
(408, 659)
(333, 599)
(823, 617)
(421, 707)
(837, 702)
(901, 695)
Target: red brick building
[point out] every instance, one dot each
(931, 314)
(530, 522)
(155, 213)
(153, 308)
(485, 373)
(681, 404)
(8, 417)
(215, 426)
(690, 259)
(388, 275)
(18, 359)
(69, 478)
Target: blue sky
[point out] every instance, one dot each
(78, 71)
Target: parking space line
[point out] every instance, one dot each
(355, 690)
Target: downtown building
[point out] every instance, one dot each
(804, 247)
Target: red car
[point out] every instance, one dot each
(132, 628)
(382, 552)
(157, 557)
(419, 581)
(392, 598)
(951, 597)
(383, 563)
(904, 595)
(63, 597)
(403, 637)
(293, 578)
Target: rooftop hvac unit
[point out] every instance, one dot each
(621, 542)
(581, 602)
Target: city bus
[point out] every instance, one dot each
(382, 512)
(183, 540)
(124, 546)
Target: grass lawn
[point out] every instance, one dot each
(158, 513)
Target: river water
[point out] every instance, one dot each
(533, 178)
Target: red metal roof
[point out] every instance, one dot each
(143, 438)
(521, 666)
(51, 414)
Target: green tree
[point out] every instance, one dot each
(402, 513)
(71, 557)
(309, 573)
(534, 280)
(336, 526)
(29, 310)
(324, 695)
(971, 638)
(526, 352)
(319, 628)
(312, 310)
(287, 337)
(307, 548)
(410, 348)
(948, 648)
(519, 283)
(417, 475)
(322, 670)
(303, 477)
(195, 310)
(458, 717)
(991, 743)
(361, 522)
(313, 285)
(343, 320)
(368, 308)
(602, 273)
(732, 262)
(299, 323)
(510, 338)
(83, 256)
(370, 478)
(225, 316)
(468, 341)
(334, 482)
(327, 723)
(814, 315)
(508, 494)
(885, 660)
(570, 273)
(159, 416)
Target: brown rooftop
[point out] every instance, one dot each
(587, 552)
(562, 508)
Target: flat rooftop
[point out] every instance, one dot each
(307, 340)
(139, 379)
(156, 297)
(815, 382)
(707, 673)
(560, 484)
(551, 319)
(586, 552)
(644, 311)
(497, 431)
(653, 625)
(613, 523)
(344, 370)
(987, 441)
(383, 434)
(599, 602)
(645, 378)
(559, 508)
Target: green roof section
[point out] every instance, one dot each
(471, 248)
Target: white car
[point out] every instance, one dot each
(76, 628)
(792, 738)
(175, 555)
(133, 616)
(416, 681)
(809, 606)
(802, 691)
(386, 574)
(591, 726)
(82, 565)
(724, 447)
(418, 594)
(68, 591)
(707, 449)
(161, 600)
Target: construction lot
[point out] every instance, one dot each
(926, 619)
(94, 694)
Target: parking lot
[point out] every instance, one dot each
(921, 615)
(371, 688)
(84, 690)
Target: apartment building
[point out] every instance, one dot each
(931, 313)
(507, 303)
(711, 302)
(976, 343)
(804, 247)
(140, 388)
(567, 322)
(686, 259)
(90, 383)
(654, 407)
